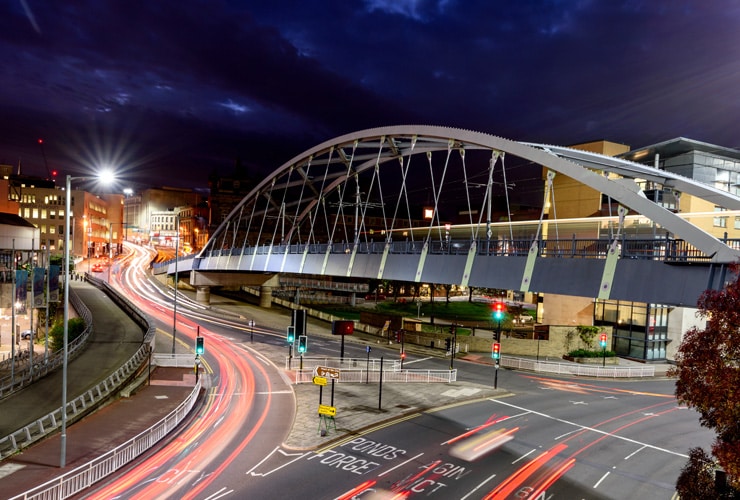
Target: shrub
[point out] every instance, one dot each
(586, 353)
(74, 330)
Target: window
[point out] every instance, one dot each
(720, 221)
(737, 222)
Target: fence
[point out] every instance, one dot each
(355, 370)
(578, 369)
(25, 376)
(87, 402)
(88, 474)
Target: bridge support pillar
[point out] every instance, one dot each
(203, 295)
(353, 299)
(265, 296)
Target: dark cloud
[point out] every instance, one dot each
(170, 91)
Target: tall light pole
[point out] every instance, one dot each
(110, 245)
(67, 209)
(128, 192)
(174, 307)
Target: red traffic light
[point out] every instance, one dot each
(498, 310)
(602, 340)
(403, 355)
(496, 350)
(342, 327)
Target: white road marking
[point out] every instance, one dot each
(477, 487)
(274, 392)
(219, 494)
(400, 465)
(298, 456)
(638, 450)
(599, 481)
(584, 427)
(415, 361)
(524, 456)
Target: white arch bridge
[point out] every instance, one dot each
(432, 204)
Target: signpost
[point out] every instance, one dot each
(321, 374)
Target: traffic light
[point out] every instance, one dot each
(496, 351)
(199, 346)
(403, 355)
(498, 311)
(290, 337)
(603, 340)
(448, 343)
(302, 344)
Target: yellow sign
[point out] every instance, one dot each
(325, 371)
(329, 411)
(319, 380)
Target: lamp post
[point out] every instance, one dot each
(110, 245)
(65, 341)
(174, 307)
(128, 192)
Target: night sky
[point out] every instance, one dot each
(169, 91)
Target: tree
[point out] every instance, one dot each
(74, 330)
(696, 480)
(708, 373)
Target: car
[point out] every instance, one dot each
(97, 268)
(372, 296)
(26, 334)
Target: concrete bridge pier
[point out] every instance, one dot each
(203, 295)
(266, 296)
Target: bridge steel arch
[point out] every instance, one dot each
(351, 207)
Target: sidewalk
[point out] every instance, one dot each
(97, 434)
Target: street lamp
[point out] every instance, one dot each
(174, 306)
(104, 177)
(110, 245)
(128, 192)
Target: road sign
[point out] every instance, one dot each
(325, 371)
(319, 380)
(329, 411)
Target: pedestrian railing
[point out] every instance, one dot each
(25, 375)
(81, 405)
(355, 376)
(88, 474)
(578, 369)
(372, 364)
(174, 360)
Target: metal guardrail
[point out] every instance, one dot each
(358, 370)
(25, 376)
(79, 406)
(174, 360)
(349, 376)
(75, 408)
(578, 369)
(88, 474)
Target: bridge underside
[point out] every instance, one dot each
(634, 280)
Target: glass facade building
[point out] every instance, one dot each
(640, 331)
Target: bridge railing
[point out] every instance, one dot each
(660, 249)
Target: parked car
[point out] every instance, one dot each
(371, 296)
(26, 334)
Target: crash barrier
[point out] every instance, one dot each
(86, 475)
(577, 368)
(25, 374)
(90, 400)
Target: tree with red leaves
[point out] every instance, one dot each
(708, 373)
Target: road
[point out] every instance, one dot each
(247, 412)
(551, 438)
(557, 439)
